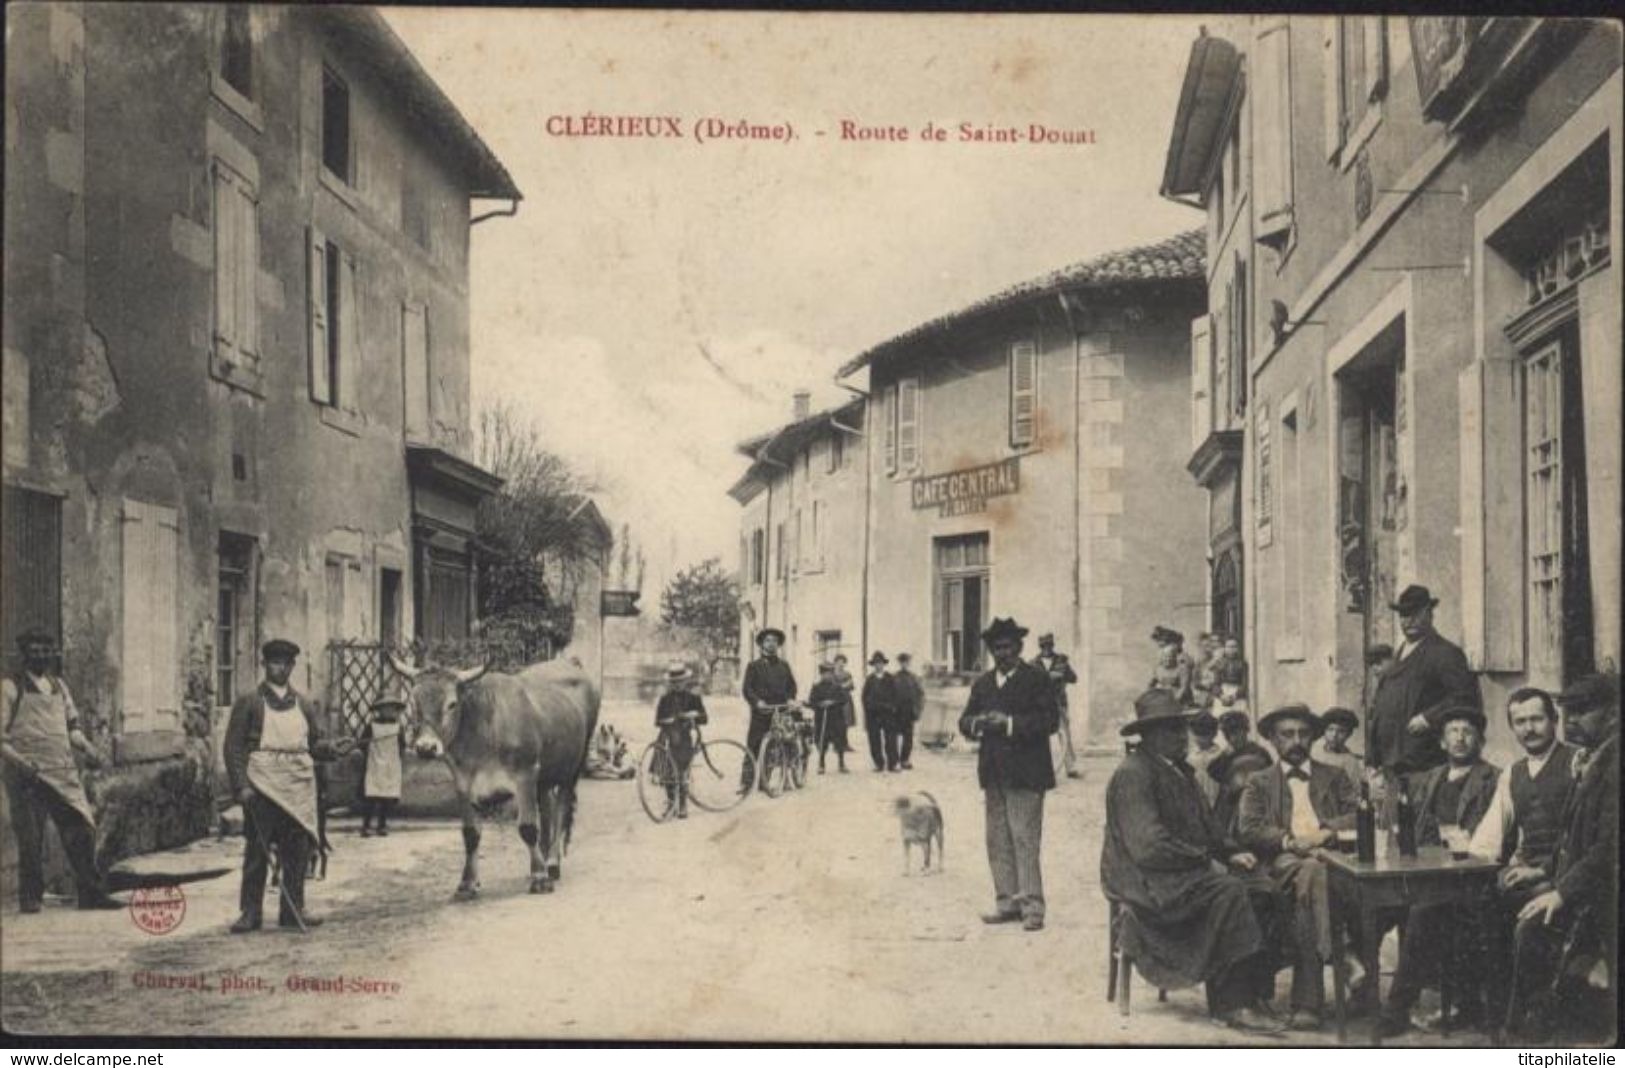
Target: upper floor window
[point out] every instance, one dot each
(1023, 394)
(236, 270)
(901, 420)
(1356, 56)
(237, 50)
(1270, 83)
(416, 209)
(336, 148)
(335, 348)
(836, 453)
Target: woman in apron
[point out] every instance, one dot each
(381, 780)
(41, 734)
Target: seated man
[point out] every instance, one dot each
(1287, 812)
(1456, 793)
(1237, 731)
(1165, 861)
(1576, 921)
(1523, 824)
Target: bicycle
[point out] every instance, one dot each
(782, 760)
(711, 779)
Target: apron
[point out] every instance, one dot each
(39, 733)
(383, 775)
(282, 770)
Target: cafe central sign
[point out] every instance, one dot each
(966, 492)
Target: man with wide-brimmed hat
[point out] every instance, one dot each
(1011, 712)
(1455, 794)
(1288, 811)
(1428, 676)
(1566, 930)
(273, 740)
(1194, 900)
(768, 682)
(40, 737)
(677, 713)
(880, 714)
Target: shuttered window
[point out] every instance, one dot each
(31, 565)
(1233, 402)
(415, 369)
(1264, 501)
(1271, 86)
(335, 329)
(1023, 394)
(888, 420)
(150, 664)
(1201, 379)
(908, 424)
(236, 268)
(321, 368)
(1356, 79)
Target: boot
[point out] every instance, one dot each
(99, 901)
(248, 921)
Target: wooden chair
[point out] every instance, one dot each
(1119, 965)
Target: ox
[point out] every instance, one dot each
(520, 737)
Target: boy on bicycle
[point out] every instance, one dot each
(678, 710)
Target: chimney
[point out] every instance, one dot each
(802, 405)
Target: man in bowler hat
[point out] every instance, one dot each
(1011, 711)
(880, 714)
(1429, 675)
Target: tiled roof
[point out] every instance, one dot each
(789, 438)
(1182, 257)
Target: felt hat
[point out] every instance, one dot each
(677, 671)
(279, 649)
(1296, 710)
(1001, 629)
(1204, 724)
(777, 634)
(1046, 638)
(877, 657)
(1234, 719)
(904, 658)
(1340, 715)
(1591, 692)
(1413, 599)
(1154, 708)
(1465, 712)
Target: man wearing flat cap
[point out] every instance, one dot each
(1576, 922)
(1011, 711)
(1287, 812)
(1196, 909)
(273, 741)
(768, 682)
(40, 737)
(1428, 676)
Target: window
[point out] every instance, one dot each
(826, 643)
(806, 464)
(758, 562)
(782, 568)
(799, 549)
(1271, 86)
(908, 424)
(1023, 394)
(1201, 379)
(150, 678)
(336, 153)
(1356, 79)
(389, 605)
(415, 371)
(234, 616)
(236, 270)
(815, 546)
(237, 50)
(334, 331)
(963, 575)
(30, 564)
(837, 452)
(1264, 503)
(416, 209)
(888, 420)
(1289, 636)
(1234, 382)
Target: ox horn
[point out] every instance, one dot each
(403, 667)
(468, 676)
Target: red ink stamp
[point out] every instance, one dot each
(158, 910)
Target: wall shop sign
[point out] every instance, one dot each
(1440, 45)
(618, 602)
(966, 492)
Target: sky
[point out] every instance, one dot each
(657, 300)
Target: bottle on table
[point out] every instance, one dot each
(1407, 824)
(1365, 827)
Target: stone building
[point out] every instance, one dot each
(1411, 362)
(236, 364)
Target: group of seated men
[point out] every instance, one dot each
(1228, 888)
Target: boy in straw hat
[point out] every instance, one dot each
(676, 713)
(385, 746)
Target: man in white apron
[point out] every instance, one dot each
(41, 732)
(273, 741)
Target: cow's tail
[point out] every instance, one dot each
(567, 798)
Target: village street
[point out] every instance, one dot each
(784, 920)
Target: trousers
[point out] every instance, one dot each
(1302, 882)
(1069, 755)
(32, 802)
(1015, 832)
(264, 821)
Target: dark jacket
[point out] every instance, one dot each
(879, 700)
(1585, 868)
(830, 698)
(1019, 759)
(673, 703)
(1476, 794)
(768, 682)
(1061, 675)
(1266, 805)
(1434, 677)
(910, 696)
(248, 721)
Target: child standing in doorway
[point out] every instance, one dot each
(385, 745)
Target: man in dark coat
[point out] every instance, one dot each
(880, 713)
(1578, 918)
(1287, 812)
(1188, 891)
(1061, 676)
(1428, 676)
(831, 708)
(1237, 731)
(1456, 793)
(768, 682)
(1011, 712)
(910, 703)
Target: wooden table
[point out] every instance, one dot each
(1393, 882)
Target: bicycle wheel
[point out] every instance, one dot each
(773, 769)
(798, 763)
(715, 773)
(657, 775)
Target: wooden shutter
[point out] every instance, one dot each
(1023, 394)
(248, 267)
(1271, 85)
(908, 423)
(150, 669)
(321, 384)
(1264, 504)
(415, 368)
(346, 391)
(227, 235)
(888, 418)
(1374, 41)
(1201, 379)
(1332, 81)
(164, 676)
